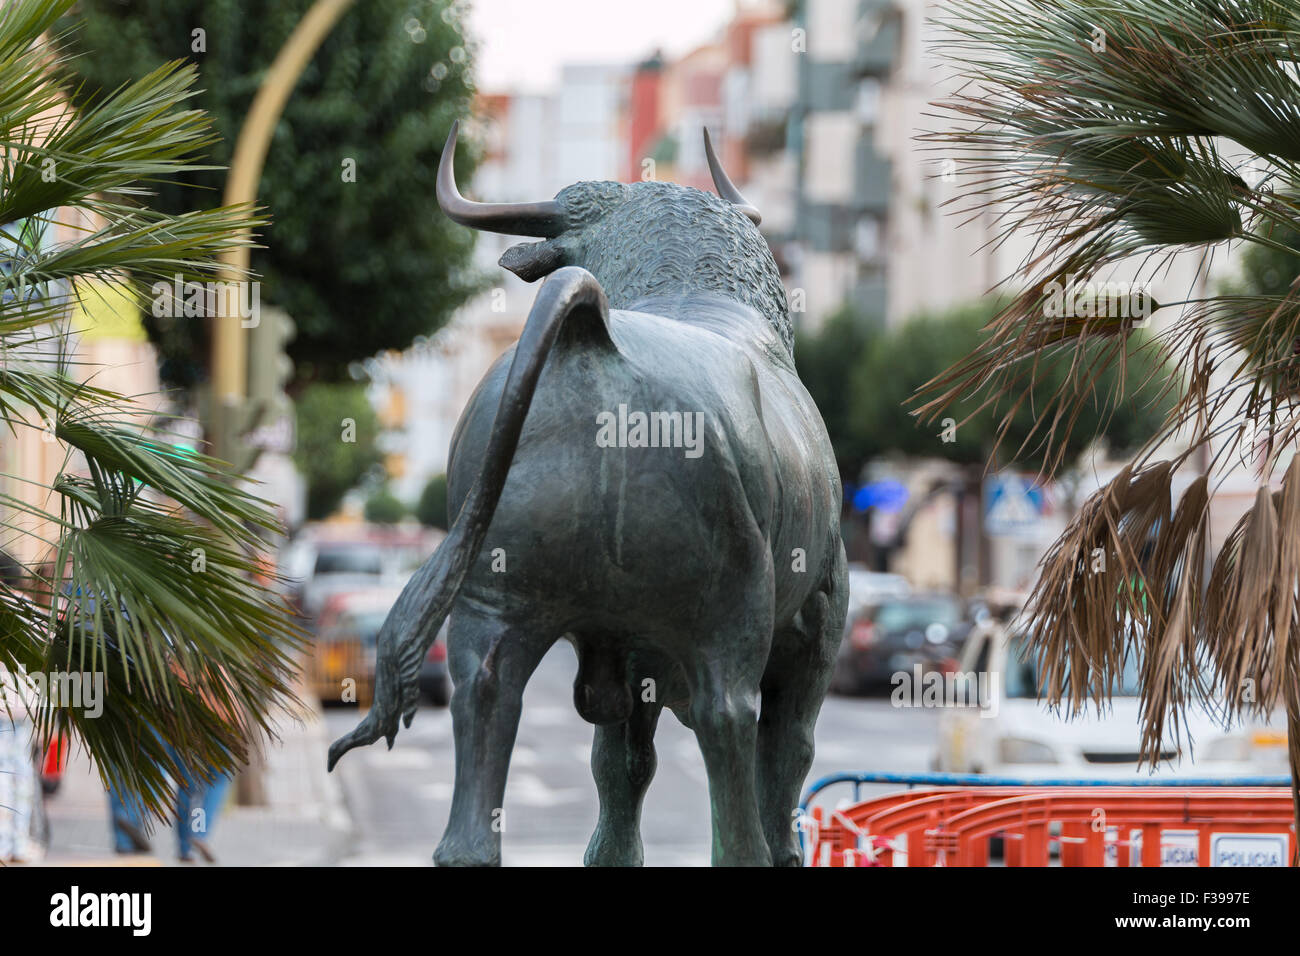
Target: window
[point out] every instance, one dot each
(1021, 675)
(868, 105)
(1022, 678)
(349, 561)
(867, 239)
(898, 616)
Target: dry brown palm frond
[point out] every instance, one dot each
(1255, 648)
(1091, 597)
(1125, 581)
(1109, 136)
(1238, 610)
(1287, 646)
(1293, 739)
(1287, 575)
(1169, 656)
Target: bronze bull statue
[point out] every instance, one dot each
(645, 476)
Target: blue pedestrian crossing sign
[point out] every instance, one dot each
(1013, 506)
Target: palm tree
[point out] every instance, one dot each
(149, 583)
(1126, 131)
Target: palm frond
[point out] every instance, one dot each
(150, 578)
(1117, 134)
(1080, 125)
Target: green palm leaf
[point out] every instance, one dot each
(1115, 132)
(151, 585)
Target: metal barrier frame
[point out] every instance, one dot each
(942, 782)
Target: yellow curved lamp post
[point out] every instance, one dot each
(229, 342)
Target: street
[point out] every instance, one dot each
(389, 808)
(399, 800)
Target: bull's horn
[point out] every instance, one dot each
(544, 219)
(725, 187)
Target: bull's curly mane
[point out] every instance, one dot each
(647, 239)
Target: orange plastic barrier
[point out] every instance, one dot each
(1088, 826)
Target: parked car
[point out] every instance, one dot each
(1004, 728)
(872, 587)
(346, 639)
(343, 568)
(325, 560)
(344, 649)
(897, 634)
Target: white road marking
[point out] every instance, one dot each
(532, 791)
(434, 791)
(400, 758)
(548, 716)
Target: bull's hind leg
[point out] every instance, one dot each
(490, 661)
(623, 760)
(794, 686)
(728, 658)
(623, 763)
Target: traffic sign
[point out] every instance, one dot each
(1248, 849)
(1013, 506)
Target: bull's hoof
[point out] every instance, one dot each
(459, 853)
(786, 851)
(604, 850)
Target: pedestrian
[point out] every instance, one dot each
(22, 829)
(127, 822)
(198, 804)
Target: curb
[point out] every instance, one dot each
(329, 788)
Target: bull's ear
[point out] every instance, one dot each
(532, 260)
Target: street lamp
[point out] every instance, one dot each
(227, 412)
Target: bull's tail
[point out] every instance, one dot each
(570, 301)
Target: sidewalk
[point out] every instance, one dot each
(304, 823)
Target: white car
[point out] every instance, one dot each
(322, 562)
(1002, 728)
(871, 587)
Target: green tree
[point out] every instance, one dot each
(147, 584)
(431, 509)
(383, 507)
(1120, 132)
(336, 443)
(357, 252)
(897, 363)
(1268, 270)
(825, 361)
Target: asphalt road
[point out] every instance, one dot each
(399, 800)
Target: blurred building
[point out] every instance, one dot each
(534, 146)
(101, 341)
(872, 226)
(588, 133)
(815, 109)
(759, 92)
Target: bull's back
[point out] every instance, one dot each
(644, 476)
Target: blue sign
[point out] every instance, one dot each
(1013, 506)
(885, 496)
